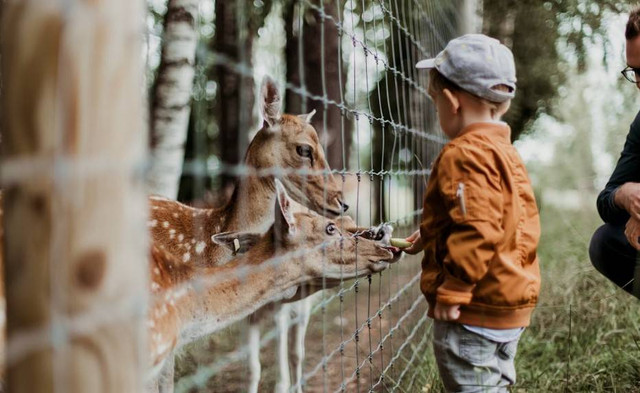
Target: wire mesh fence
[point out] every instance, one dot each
(352, 62)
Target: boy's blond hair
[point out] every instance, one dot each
(438, 82)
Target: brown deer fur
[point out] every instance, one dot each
(285, 142)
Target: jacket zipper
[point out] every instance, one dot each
(460, 195)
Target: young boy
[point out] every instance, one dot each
(480, 226)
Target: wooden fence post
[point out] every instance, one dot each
(73, 145)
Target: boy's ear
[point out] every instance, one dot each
(452, 99)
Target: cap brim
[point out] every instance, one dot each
(427, 63)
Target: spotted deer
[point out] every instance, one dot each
(188, 302)
(285, 142)
(299, 248)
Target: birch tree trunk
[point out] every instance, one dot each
(73, 143)
(171, 97)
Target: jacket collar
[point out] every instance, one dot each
(497, 129)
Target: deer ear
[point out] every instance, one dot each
(284, 220)
(237, 242)
(307, 118)
(271, 103)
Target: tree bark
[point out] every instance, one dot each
(171, 97)
(234, 104)
(305, 69)
(73, 142)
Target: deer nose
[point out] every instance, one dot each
(343, 205)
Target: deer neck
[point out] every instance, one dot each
(186, 232)
(251, 205)
(249, 286)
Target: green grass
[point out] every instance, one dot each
(585, 332)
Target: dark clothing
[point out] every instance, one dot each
(627, 170)
(613, 256)
(610, 251)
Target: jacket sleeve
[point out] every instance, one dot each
(627, 170)
(472, 189)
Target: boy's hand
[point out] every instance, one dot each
(417, 244)
(444, 312)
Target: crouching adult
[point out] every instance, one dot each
(614, 246)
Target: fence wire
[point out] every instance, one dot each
(366, 334)
(363, 334)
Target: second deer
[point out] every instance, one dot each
(297, 249)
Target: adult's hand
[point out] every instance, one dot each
(632, 232)
(628, 197)
(444, 312)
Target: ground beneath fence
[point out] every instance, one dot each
(401, 327)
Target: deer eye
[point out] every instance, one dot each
(331, 229)
(304, 151)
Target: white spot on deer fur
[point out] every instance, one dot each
(154, 286)
(179, 293)
(165, 224)
(152, 223)
(172, 233)
(156, 270)
(195, 214)
(200, 247)
(209, 213)
(175, 215)
(180, 237)
(193, 241)
(186, 257)
(155, 208)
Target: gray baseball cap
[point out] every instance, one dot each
(477, 63)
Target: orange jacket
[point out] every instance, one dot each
(481, 229)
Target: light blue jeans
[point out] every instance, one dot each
(470, 363)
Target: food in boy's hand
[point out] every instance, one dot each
(400, 243)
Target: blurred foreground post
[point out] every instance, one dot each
(72, 144)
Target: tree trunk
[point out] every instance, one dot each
(171, 97)
(305, 69)
(234, 104)
(72, 143)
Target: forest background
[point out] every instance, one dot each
(569, 122)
